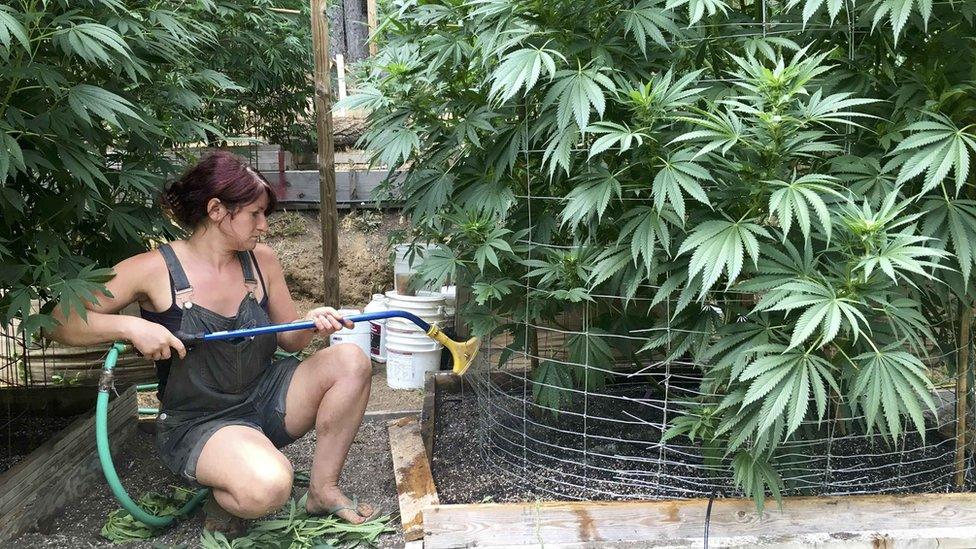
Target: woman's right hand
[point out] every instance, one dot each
(155, 342)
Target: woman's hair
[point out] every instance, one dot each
(221, 175)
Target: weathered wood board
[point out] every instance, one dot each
(415, 484)
(62, 469)
(302, 186)
(926, 520)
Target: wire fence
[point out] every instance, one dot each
(607, 443)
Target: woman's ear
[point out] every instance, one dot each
(216, 210)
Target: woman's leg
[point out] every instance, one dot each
(328, 392)
(249, 477)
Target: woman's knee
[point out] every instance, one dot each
(263, 491)
(350, 359)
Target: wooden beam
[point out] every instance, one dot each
(919, 520)
(962, 392)
(61, 470)
(387, 415)
(328, 211)
(427, 415)
(415, 484)
(340, 64)
(371, 24)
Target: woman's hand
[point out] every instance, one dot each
(154, 341)
(327, 320)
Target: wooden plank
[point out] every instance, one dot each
(962, 391)
(61, 470)
(43, 506)
(387, 415)
(78, 439)
(371, 26)
(351, 186)
(427, 417)
(415, 484)
(920, 520)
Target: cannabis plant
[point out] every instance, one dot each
(780, 193)
(92, 95)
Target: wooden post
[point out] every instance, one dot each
(371, 23)
(340, 64)
(328, 211)
(962, 392)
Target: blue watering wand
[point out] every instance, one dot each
(463, 353)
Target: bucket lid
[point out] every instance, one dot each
(435, 298)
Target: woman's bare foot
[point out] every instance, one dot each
(217, 519)
(332, 500)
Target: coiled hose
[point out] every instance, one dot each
(105, 385)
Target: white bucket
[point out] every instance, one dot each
(410, 356)
(430, 308)
(377, 329)
(359, 334)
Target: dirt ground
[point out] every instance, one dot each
(365, 267)
(368, 474)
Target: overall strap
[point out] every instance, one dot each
(181, 285)
(249, 280)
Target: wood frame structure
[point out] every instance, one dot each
(922, 520)
(328, 212)
(37, 488)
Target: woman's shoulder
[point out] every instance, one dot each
(148, 263)
(265, 254)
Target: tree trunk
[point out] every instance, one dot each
(357, 30)
(337, 30)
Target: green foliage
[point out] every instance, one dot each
(121, 527)
(92, 95)
(797, 221)
(291, 528)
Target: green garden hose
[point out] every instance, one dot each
(105, 455)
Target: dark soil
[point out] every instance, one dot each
(21, 435)
(485, 451)
(368, 474)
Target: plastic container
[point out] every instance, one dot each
(359, 334)
(410, 357)
(429, 306)
(377, 329)
(450, 306)
(405, 266)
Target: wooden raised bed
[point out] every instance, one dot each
(924, 520)
(63, 468)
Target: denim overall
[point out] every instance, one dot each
(220, 383)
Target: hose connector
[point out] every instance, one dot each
(106, 382)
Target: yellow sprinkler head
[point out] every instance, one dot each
(463, 353)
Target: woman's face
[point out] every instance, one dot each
(245, 226)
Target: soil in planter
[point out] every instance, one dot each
(547, 457)
(21, 434)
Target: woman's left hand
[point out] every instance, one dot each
(327, 320)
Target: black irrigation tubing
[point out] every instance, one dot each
(708, 516)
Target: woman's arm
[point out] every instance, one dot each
(281, 306)
(102, 325)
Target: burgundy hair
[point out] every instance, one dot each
(220, 175)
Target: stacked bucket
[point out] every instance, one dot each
(410, 355)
